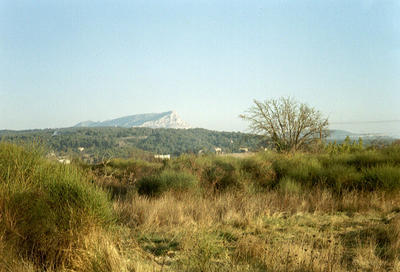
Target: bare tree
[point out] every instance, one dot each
(290, 125)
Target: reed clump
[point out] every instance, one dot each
(48, 210)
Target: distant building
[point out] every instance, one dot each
(243, 149)
(64, 161)
(51, 155)
(163, 157)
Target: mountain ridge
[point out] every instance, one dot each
(168, 119)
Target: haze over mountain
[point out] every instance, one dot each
(169, 119)
(340, 135)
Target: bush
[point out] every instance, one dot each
(259, 172)
(168, 180)
(340, 177)
(221, 175)
(362, 170)
(392, 153)
(304, 169)
(367, 159)
(47, 208)
(126, 169)
(384, 177)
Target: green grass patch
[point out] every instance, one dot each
(158, 245)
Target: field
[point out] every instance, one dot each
(334, 210)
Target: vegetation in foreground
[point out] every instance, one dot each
(336, 210)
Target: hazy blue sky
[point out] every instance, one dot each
(62, 62)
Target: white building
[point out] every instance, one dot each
(163, 157)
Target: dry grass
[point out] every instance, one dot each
(273, 231)
(255, 220)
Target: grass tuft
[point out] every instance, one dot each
(47, 208)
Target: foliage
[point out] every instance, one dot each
(361, 170)
(258, 172)
(221, 175)
(347, 170)
(290, 125)
(386, 177)
(167, 180)
(347, 146)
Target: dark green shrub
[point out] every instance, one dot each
(333, 172)
(339, 177)
(220, 176)
(168, 180)
(383, 177)
(125, 169)
(260, 173)
(392, 153)
(304, 169)
(282, 166)
(184, 163)
(367, 159)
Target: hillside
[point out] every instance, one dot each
(100, 142)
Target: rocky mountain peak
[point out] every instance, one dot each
(169, 119)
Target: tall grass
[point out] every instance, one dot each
(272, 231)
(47, 209)
(267, 212)
(275, 212)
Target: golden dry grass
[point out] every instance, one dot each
(266, 232)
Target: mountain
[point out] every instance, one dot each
(340, 135)
(169, 119)
(337, 134)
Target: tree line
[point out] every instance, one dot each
(127, 142)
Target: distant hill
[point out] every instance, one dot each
(340, 135)
(169, 119)
(139, 142)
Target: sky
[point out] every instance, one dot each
(63, 62)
